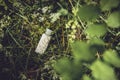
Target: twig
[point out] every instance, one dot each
(13, 38)
(27, 60)
(57, 40)
(71, 3)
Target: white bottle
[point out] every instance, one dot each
(44, 41)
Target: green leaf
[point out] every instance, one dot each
(63, 64)
(97, 41)
(107, 5)
(88, 12)
(111, 57)
(96, 30)
(68, 70)
(81, 51)
(102, 71)
(113, 20)
(97, 45)
(63, 11)
(85, 77)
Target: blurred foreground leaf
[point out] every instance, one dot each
(81, 51)
(88, 12)
(111, 57)
(68, 69)
(97, 41)
(102, 71)
(113, 20)
(108, 4)
(96, 30)
(85, 77)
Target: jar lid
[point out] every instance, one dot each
(48, 31)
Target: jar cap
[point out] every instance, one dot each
(48, 31)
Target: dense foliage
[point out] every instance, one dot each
(85, 44)
(97, 56)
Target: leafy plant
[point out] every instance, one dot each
(91, 53)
